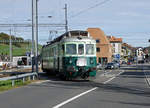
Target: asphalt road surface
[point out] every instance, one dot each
(123, 88)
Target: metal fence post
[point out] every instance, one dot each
(29, 78)
(23, 79)
(13, 82)
(33, 77)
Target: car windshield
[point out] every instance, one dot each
(71, 49)
(89, 49)
(110, 64)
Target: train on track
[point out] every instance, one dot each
(71, 56)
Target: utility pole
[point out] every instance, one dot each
(66, 19)
(32, 50)
(10, 46)
(35, 31)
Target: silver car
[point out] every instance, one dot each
(99, 66)
(111, 66)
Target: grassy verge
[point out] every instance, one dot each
(7, 85)
(17, 51)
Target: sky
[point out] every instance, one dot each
(127, 19)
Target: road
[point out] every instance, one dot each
(125, 88)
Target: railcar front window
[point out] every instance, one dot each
(80, 49)
(71, 49)
(89, 49)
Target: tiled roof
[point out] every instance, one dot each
(114, 39)
(128, 46)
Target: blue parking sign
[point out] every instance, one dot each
(118, 56)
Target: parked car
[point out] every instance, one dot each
(128, 63)
(117, 63)
(99, 66)
(111, 65)
(123, 62)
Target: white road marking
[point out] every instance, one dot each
(147, 80)
(40, 82)
(112, 78)
(75, 97)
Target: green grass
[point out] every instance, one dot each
(17, 51)
(7, 85)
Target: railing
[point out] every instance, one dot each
(22, 76)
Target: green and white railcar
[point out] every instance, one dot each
(71, 55)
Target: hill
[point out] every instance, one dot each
(19, 45)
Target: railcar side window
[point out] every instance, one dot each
(89, 49)
(80, 49)
(63, 49)
(71, 49)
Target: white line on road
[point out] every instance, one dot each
(40, 82)
(75, 97)
(112, 78)
(147, 79)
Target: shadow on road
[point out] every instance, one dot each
(55, 82)
(130, 103)
(131, 74)
(115, 88)
(102, 87)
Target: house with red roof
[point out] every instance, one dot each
(116, 46)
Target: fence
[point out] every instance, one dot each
(22, 77)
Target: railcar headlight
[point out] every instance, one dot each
(70, 60)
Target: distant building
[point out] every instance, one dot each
(128, 52)
(139, 51)
(139, 54)
(146, 54)
(116, 46)
(103, 46)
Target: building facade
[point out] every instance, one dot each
(104, 49)
(128, 52)
(139, 54)
(116, 47)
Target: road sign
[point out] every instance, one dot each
(117, 56)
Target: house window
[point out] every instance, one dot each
(113, 44)
(98, 49)
(97, 41)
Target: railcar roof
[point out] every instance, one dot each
(78, 39)
(76, 33)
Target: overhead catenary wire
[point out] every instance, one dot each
(89, 8)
